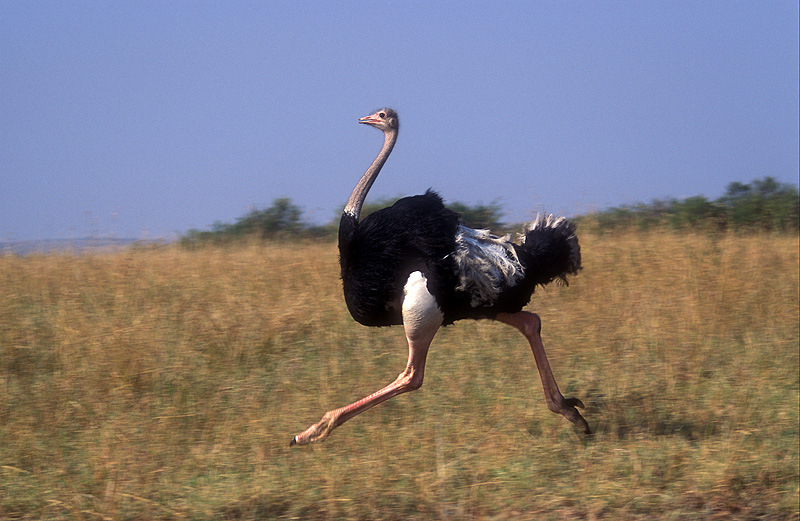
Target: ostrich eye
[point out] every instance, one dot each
(382, 114)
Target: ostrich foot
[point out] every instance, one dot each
(567, 408)
(317, 432)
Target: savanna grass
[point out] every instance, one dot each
(166, 383)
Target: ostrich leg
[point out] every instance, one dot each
(421, 319)
(530, 325)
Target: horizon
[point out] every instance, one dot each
(103, 242)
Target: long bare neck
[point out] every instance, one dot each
(356, 201)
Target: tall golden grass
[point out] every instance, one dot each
(165, 384)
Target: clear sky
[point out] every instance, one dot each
(145, 119)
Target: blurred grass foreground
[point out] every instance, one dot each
(165, 383)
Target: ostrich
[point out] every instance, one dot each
(414, 264)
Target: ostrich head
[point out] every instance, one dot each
(383, 119)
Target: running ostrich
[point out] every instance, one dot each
(413, 264)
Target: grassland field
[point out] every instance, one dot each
(165, 383)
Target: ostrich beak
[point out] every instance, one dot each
(369, 120)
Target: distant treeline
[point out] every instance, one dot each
(762, 205)
(284, 220)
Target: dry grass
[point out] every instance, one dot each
(166, 384)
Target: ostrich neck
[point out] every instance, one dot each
(356, 201)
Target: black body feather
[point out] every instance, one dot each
(419, 234)
(378, 254)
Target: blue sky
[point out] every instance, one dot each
(146, 119)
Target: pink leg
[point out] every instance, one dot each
(421, 319)
(530, 325)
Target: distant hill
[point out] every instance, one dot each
(65, 245)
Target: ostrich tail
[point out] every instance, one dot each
(552, 249)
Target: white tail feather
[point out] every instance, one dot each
(486, 265)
